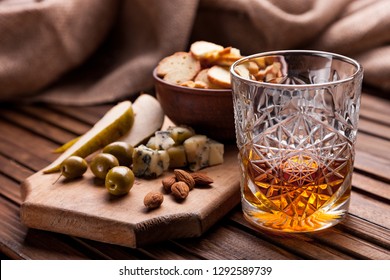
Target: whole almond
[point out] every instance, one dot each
(184, 176)
(180, 190)
(168, 182)
(201, 179)
(153, 200)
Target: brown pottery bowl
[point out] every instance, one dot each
(207, 111)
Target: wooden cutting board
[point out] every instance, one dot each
(85, 209)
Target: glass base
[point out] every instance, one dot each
(281, 222)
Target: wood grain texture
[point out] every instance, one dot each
(56, 118)
(46, 130)
(24, 150)
(84, 208)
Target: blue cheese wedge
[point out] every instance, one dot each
(197, 151)
(161, 140)
(202, 152)
(180, 133)
(149, 163)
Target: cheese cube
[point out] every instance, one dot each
(149, 163)
(216, 152)
(160, 141)
(177, 157)
(197, 151)
(180, 133)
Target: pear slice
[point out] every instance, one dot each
(114, 124)
(149, 117)
(66, 146)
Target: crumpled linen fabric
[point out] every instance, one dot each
(87, 52)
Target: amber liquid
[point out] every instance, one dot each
(298, 193)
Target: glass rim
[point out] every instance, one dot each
(359, 68)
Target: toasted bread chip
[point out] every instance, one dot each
(200, 49)
(220, 76)
(226, 60)
(269, 60)
(248, 70)
(259, 76)
(253, 67)
(178, 68)
(272, 73)
(224, 57)
(243, 71)
(260, 61)
(235, 52)
(183, 67)
(194, 84)
(200, 84)
(202, 77)
(225, 51)
(230, 51)
(190, 84)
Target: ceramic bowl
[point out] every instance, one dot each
(207, 111)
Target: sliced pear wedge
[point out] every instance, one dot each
(149, 117)
(114, 124)
(66, 146)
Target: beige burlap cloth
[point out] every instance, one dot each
(93, 51)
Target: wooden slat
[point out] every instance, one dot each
(373, 145)
(27, 140)
(115, 252)
(217, 244)
(375, 104)
(367, 231)
(97, 110)
(168, 251)
(376, 166)
(13, 169)
(374, 128)
(52, 117)
(88, 115)
(299, 244)
(334, 241)
(10, 189)
(25, 147)
(37, 126)
(375, 113)
(19, 242)
(370, 209)
(11, 175)
(374, 187)
(163, 250)
(21, 155)
(352, 245)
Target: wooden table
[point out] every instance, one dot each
(29, 133)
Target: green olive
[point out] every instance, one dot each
(123, 151)
(119, 180)
(73, 167)
(102, 163)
